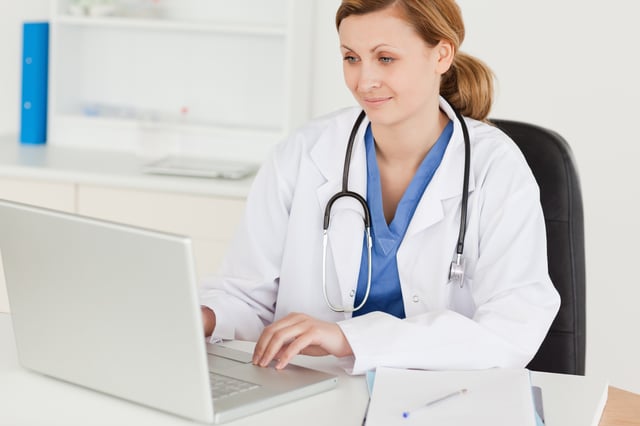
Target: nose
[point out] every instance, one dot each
(369, 78)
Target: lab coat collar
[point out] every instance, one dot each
(328, 155)
(447, 181)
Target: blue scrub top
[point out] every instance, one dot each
(385, 294)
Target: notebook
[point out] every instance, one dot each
(493, 397)
(114, 308)
(588, 398)
(536, 393)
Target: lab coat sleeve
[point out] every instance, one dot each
(515, 301)
(243, 293)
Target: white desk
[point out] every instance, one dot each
(115, 169)
(28, 398)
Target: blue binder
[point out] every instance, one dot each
(35, 69)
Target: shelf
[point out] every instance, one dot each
(211, 129)
(200, 77)
(170, 25)
(156, 139)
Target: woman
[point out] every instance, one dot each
(403, 66)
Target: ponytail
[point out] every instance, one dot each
(468, 86)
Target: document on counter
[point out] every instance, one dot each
(571, 399)
(494, 397)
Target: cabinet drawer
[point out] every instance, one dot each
(57, 196)
(200, 217)
(208, 257)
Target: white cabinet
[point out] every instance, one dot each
(53, 195)
(204, 77)
(209, 221)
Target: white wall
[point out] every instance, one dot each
(569, 65)
(572, 66)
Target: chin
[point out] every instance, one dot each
(381, 118)
(375, 113)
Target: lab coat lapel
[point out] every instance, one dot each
(446, 183)
(346, 228)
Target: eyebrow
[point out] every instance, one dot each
(373, 49)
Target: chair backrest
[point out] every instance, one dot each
(551, 160)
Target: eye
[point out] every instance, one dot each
(351, 59)
(386, 59)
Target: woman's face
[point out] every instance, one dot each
(392, 73)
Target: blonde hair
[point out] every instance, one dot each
(468, 84)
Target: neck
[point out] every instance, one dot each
(409, 142)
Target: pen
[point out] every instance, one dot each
(366, 411)
(406, 414)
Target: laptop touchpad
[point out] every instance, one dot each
(219, 364)
(230, 354)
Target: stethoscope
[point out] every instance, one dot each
(456, 270)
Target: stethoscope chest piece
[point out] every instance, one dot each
(456, 271)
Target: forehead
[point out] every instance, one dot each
(387, 26)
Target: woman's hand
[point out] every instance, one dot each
(208, 320)
(299, 334)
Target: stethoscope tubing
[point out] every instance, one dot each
(456, 272)
(465, 183)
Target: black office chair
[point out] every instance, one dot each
(551, 160)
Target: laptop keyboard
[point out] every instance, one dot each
(223, 386)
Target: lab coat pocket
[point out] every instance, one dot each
(461, 298)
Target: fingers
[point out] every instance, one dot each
(299, 334)
(208, 320)
(294, 348)
(276, 336)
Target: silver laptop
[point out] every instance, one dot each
(114, 308)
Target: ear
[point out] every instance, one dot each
(446, 52)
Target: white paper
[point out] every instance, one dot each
(571, 400)
(494, 397)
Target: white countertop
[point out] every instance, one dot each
(106, 168)
(30, 398)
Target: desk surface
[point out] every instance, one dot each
(622, 409)
(28, 398)
(106, 168)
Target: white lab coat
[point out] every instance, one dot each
(498, 318)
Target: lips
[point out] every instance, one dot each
(375, 101)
